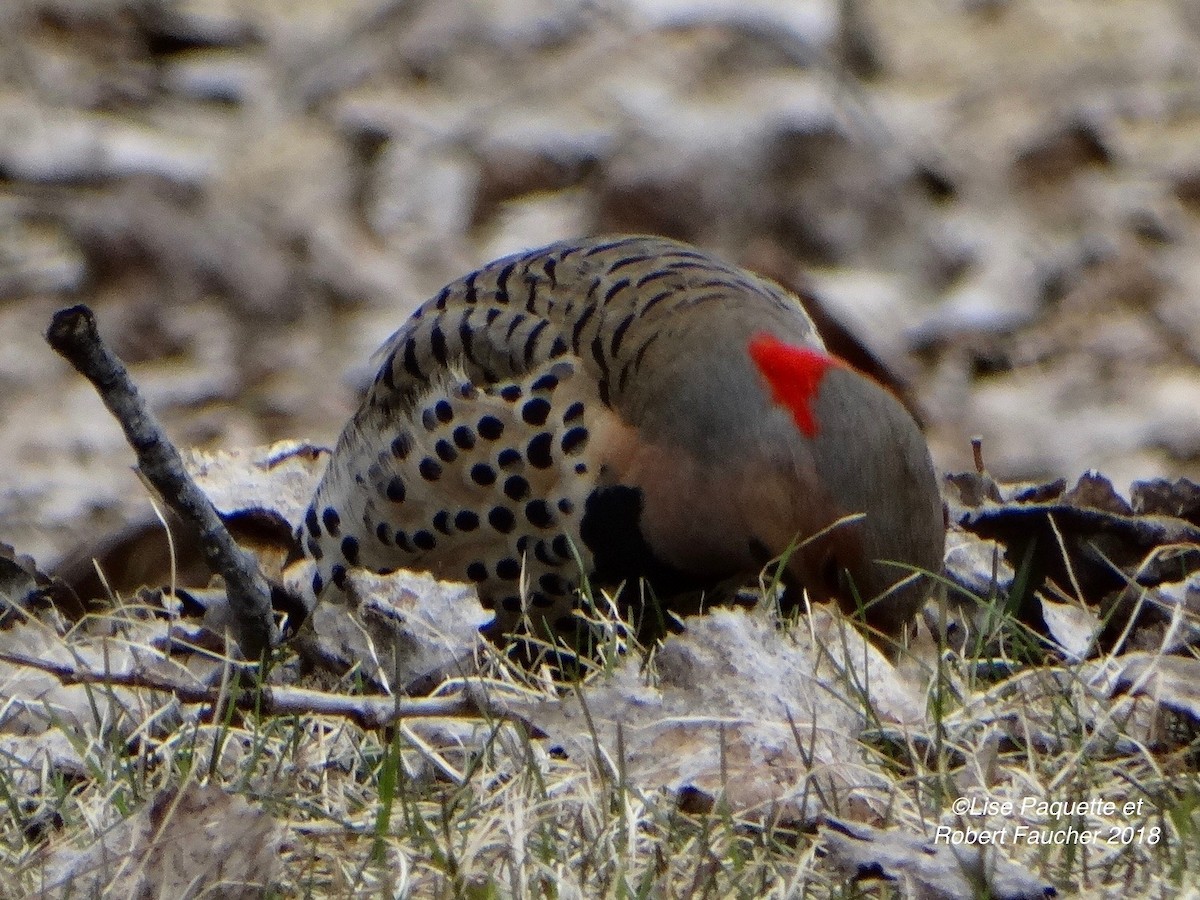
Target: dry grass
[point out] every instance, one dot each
(476, 808)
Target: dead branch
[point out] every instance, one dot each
(272, 700)
(72, 334)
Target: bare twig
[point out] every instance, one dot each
(977, 452)
(73, 335)
(367, 712)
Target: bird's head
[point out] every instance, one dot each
(868, 510)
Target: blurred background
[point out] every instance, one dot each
(997, 201)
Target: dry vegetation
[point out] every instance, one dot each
(316, 806)
(999, 201)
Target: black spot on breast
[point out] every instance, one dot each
(540, 600)
(511, 604)
(464, 437)
(490, 428)
(542, 553)
(403, 542)
(395, 490)
(580, 468)
(545, 384)
(444, 411)
(502, 519)
(574, 440)
(565, 506)
(508, 569)
(611, 530)
(430, 469)
(383, 534)
(561, 547)
(441, 521)
(424, 540)
(538, 514)
(466, 520)
(401, 446)
(511, 393)
(538, 451)
(338, 574)
(350, 549)
(553, 584)
(311, 523)
(477, 572)
(508, 459)
(429, 419)
(516, 487)
(318, 583)
(314, 549)
(483, 474)
(536, 411)
(523, 543)
(332, 521)
(559, 347)
(444, 450)
(574, 411)
(493, 314)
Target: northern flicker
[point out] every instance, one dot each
(628, 408)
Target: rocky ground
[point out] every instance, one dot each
(999, 200)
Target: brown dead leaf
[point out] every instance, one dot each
(1089, 543)
(277, 480)
(1172, 682)
(260, 493)
(24, 587)
(189, 842)
(1179, 498)
(404, 629)
(768, 721)
(33, 760)
(925, 868)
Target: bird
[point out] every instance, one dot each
(625, 411)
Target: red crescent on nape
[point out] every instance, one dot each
(794, 374)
